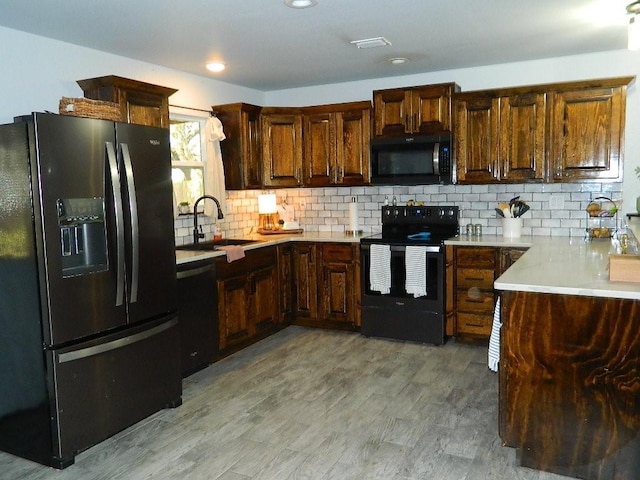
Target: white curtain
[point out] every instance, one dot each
(214, 177)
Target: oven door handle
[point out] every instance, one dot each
(402, 248)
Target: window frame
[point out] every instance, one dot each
(202, 164)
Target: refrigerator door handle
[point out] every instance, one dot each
(115, 344)
(135, 232)
(117, 201)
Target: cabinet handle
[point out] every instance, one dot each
(477, 279)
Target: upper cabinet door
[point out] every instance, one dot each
(586, 134)
(353, 132)
(282, 149)
(431, 108)
(419, 110)
(522, 137)
(476, 139)
(241, 149)
(319, 149)
(392, 111)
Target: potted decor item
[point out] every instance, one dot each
(184, 208)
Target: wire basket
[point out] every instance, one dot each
(88, 108)
(602, 215)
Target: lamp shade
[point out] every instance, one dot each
(267, 204)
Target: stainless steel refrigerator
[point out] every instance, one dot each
(88, 325)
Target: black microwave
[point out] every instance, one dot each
(419, 160)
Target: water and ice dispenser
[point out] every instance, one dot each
(83, 241)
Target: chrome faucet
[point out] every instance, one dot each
(196, 234)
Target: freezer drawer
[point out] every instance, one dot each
(102, 387)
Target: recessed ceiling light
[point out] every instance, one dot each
(371, 42)
(216, 66)
(300, 3)
(398, 60)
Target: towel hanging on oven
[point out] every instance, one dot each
(415, 258)
(380, 268)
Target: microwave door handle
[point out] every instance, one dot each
(436, 158)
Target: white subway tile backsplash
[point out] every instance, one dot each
(326, 209)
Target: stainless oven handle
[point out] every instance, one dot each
(436, 158)
(402, 248)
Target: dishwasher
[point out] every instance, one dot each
(197, 314)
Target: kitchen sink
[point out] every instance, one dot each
(214, 244)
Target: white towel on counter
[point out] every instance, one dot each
(380, 268)
(415, 258)
(494, 339)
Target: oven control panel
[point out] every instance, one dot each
(420, 215)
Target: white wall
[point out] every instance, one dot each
(37, 72)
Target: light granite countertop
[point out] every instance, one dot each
(560, 265)
(185, 256)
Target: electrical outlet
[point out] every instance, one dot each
(556, 202)
(303, 205)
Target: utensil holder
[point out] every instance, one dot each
(512, 227)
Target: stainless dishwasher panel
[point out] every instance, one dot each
(197, 314)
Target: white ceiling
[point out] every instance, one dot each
(268, 46)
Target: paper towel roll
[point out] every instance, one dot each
(353, 216)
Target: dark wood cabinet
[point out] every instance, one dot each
(475, 269)
(541, 133)
(247, 306)
(282, 147)
(242, 148)
(337, 284)
(326, 283)
(141, 103)
(587, 133)
(414, 110)
(476, 139)
(305, 283)
(285, 283)
(470, 300)
(336, 144)
(500, 137)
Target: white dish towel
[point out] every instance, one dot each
(415, 258)
(380, 268)
(494, 339)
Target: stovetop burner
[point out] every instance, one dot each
(417, 225)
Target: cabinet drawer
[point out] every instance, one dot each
(474, 277)
(332, 252)
(474, 300)
(478, 257)
(470, 323)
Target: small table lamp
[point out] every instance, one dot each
(266, 208)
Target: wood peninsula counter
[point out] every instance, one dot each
(569, 362)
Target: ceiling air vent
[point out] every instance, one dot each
(371, 42)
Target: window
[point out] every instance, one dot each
(188, 158)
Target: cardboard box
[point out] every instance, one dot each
(624, 268)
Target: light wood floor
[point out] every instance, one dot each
(317, 405)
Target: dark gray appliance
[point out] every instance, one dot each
(198, 311)
(398, 314)
(89, 340)
(416, 160)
